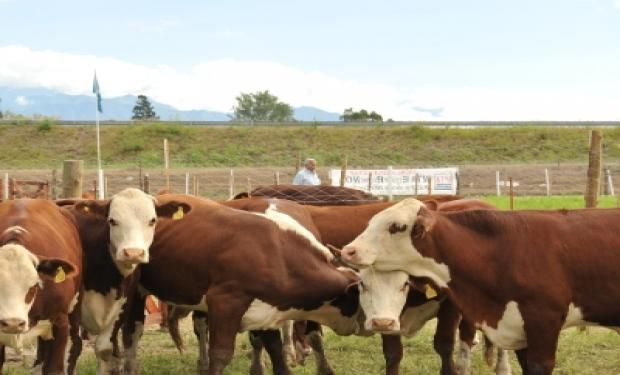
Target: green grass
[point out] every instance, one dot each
(45, 146)
(594, 352)
(548, 203)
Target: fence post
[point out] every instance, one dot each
(5, 185)
(140, 175)
(497, 186)
(389, 184)
(430, 185)
(415, 185)
(72, 174)
(54, 184)
(370, 182)
(12, 188)
(249, 185)
(231, 184)
(105, 188)
(146, 184)
(610, 183)
(276, 177)
(187, 183)
(343, 171)
(594, 169)
(547, 182)
(512, 195)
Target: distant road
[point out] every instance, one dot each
(430, 124)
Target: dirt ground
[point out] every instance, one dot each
(475, 180)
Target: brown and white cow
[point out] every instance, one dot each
(40, 277)
(250, 271)
(522, 276)
(116, 235)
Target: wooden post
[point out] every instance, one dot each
(95, 187)
(5, 190)
(54, 193)
(343, 171)
(594, 169)
(512, 195)
(147, 184)
(276, 177)
(187, 183)
(12, 189)
(430, 185)
(370, 182)
(72, 176)
(140, 175)
(249, 185)
(547, 182)
(195, 186)
(497, 184)
(167, 163)
(415, 185)
(609, 186)
(231, 185)
(105, 188)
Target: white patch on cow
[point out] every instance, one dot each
(261, 315)
(574, 317)
(73, 302)
(131, 352)
(510, 332)
(99, 311)
(285, 222)
(462, 361)
(132, 210)
(18, 274)
(414, 318)
(387, 251)
(42, 329)
(104, 350)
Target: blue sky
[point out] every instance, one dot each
(468, 60)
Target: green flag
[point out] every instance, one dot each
(97, 92)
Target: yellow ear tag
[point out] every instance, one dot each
(60, 275)
(430, 292)
(178, 215)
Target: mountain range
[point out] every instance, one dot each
(31, 101)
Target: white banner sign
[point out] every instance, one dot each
(400, 181)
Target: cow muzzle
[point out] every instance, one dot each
(133, 256)
(13, 325)
(351, 255)
(385, 325)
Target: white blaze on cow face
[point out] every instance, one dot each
(132, 218)
(386, 244)
(19, 280)
(383, 295)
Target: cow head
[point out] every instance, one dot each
(21, 277)
(132, 216)
(388, 242)
(383, 295)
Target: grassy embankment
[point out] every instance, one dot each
(30, 146)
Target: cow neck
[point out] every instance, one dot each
(464, 241)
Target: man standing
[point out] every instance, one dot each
(307, 175)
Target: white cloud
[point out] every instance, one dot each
(159, 26)
(214, 85)
(617, 3)
(22, 101)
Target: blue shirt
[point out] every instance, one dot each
(306, 177)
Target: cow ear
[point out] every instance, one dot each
(431, 204)
(173, 209)
(423, 224)
(56, 269)
(94, 207)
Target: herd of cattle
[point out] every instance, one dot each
(79, 267)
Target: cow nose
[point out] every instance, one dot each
(133, 255)
(348, 253)
(12, 325)
(383, 324)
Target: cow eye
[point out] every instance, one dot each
(152, 222)
(395, 228)
(112, 222)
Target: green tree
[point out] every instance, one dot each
(362, 115)
(261, 106)
(143, 110)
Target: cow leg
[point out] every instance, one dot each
(256, 368)
(302, 349)
(104, 351)
(315, 337)
(226, 308)
(163, 310)
(489, 355)
(273, 344)
(503, 363)
(290, 354)
(467, 336)
(447, 321)
(132, 325)
(75, 348)
(54, 361)
(201, 330)
(2, 358)
(392, 352)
